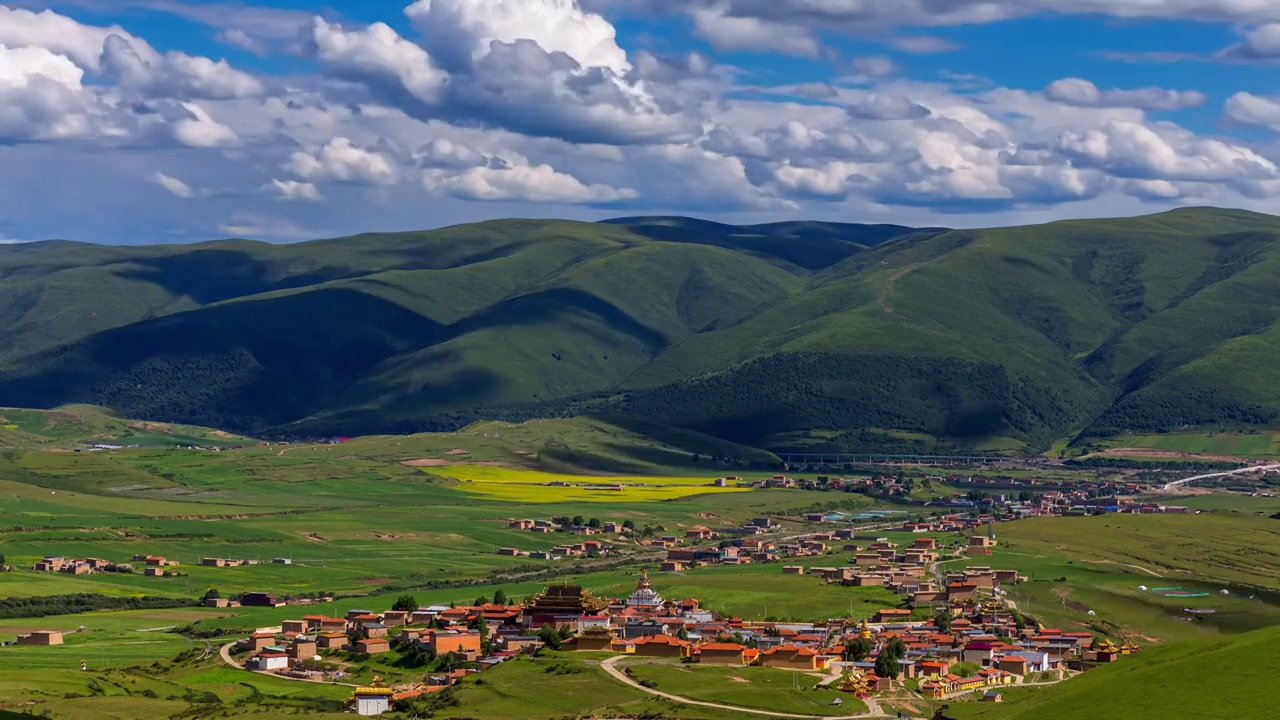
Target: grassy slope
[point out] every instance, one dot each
(74, 425)
(1218, 678)
(998, 338)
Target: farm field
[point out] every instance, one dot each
(762, 688)
(532, 486)
(349, 518)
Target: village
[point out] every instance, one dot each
(950, 639)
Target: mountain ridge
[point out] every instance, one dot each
(844, 335)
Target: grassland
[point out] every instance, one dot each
(356, 520)
(1263, 443)
(75, 426)
(1219, 678)
(780, 691)
(1100, 564)
(564, 685)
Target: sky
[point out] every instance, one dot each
(173, 121)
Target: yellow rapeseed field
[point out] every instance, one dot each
(533, 486)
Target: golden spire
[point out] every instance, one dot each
(644, 578)
(865, 631)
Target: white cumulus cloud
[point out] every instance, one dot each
(200, 130)
(292, 190)
(461, 32)
(342, 161)
(1082, 93)
(173, 185)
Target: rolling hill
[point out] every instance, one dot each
(1162, 681)
(826, 335)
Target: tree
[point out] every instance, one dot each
(682, 633)
(482, 600)
(405, 603)
(594, 523)
(897, 648)
(499, 597)
(549, 637)
(210, 594)
(1026, 496)
(887, 665)
(857, 650)
(943, 621)
(481, 626)
(578, 521)
(629, 524)
(2, 562)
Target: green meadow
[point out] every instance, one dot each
(761, 688)
(1214, 678)
(374, 518)
(1257, 444)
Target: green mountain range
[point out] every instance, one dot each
(827, 335)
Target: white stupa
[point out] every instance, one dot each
(645, 597)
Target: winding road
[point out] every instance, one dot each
(1241, 471)
(225, 653)
(609, 666)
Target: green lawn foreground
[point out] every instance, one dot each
(761, 688)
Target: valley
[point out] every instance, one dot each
(362, 522)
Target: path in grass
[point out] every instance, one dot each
(225, 653)
(873, 707)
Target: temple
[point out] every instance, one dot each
(645, 597)
(374, 699)
(857, 683)
(561, 605)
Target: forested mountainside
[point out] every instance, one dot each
(844, 335)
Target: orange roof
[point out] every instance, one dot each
(750, 653)
(794, 649)
(314, 617)
(722, 647)
(372, 641)
(662, 640)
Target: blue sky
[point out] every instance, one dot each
(145, 121)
